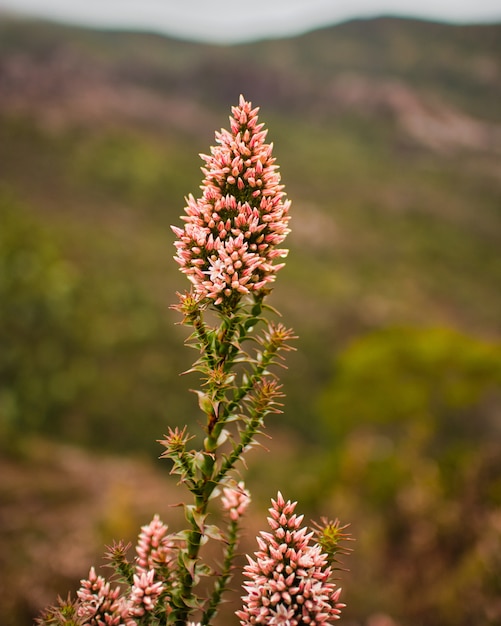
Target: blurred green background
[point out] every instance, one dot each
(388, 134)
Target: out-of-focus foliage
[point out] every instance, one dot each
(430, 376)
(77, 346)
(132, 168)
(414, 423)
(39, 302)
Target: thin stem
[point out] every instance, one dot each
(186, 562)
(225, 340)
(202, 336)
(246, 438)
(224, 577)
(218, 356)
(254, 379)
(219, 348)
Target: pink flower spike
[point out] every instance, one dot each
(98, 603)
(154, 546)
(144, 593)
(289, 579)
(241, 194)
(235, 500)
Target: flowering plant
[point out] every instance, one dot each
(228, 249)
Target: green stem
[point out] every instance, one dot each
(224, 577)
(185, 596)
(256, 420)
(202, 336)
(254, 379)
(225, 340)
(218, 356)
(218, 349)
(246, 438)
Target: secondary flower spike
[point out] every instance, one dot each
(235, 500)
(229, 244)
(289, 580)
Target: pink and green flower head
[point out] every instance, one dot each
(99, 603)
(235, 500)
(228, 247)
(289, 579)
(154, 546)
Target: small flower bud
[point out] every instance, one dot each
(235, 500)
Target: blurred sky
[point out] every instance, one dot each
(228, 21)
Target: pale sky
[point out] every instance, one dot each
(229, 21)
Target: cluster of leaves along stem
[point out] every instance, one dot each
(238, 391)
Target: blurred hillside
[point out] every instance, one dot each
(388, 134)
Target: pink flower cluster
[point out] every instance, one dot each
(289, 581)
(144, 594)
(235, 500)
(99, 605)
(154, 546)
(228, 245)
